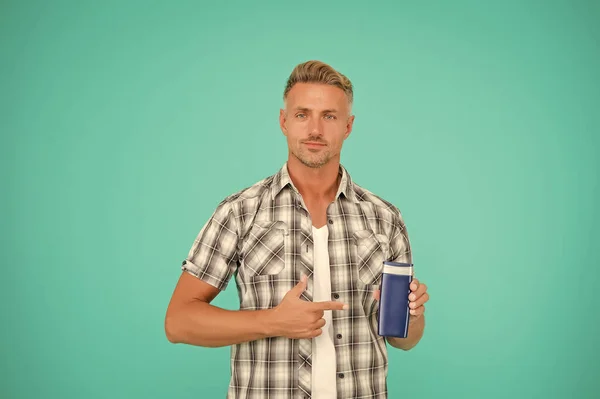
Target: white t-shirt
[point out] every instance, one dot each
(323, 350)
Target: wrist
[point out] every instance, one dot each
(268, 322)
(416, 325)
(413, 320)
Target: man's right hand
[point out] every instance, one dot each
(296, 318)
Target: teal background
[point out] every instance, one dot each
(125, 123)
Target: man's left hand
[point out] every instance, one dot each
(417, 298)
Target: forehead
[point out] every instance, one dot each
(316, 96)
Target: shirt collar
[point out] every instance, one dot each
(282, 179)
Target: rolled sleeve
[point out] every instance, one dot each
(213, 257)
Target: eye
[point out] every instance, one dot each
(330, 117)
(300, 115)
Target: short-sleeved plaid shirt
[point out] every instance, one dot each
(262, 235)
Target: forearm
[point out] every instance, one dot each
(415, 333)
(202, 324)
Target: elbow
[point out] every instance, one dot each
(171, 337)
(171, 330)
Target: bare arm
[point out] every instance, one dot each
(191, 319)
(415, 333)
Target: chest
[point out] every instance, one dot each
(317, 210)
(279, 247)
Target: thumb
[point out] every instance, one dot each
(299, 288)
(377, 295)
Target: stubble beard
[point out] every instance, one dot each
(312, 160)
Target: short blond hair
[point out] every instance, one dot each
(318, 72)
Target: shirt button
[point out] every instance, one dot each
(339, 336)
(330, 221)
(341, 375)
(336, 295)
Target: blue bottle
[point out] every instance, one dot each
(393, 302)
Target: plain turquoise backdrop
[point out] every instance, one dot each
(124, 123)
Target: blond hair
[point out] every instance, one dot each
(318, 72)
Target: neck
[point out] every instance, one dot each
(315, 183)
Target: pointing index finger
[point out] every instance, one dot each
(329, 305)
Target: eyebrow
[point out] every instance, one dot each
(325, 111)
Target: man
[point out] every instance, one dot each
(306, 246)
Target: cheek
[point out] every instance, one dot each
(336, 137)
(295, 131)
(293, 135)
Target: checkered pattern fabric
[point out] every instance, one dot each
(262, 235)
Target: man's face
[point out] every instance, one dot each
(316, 121)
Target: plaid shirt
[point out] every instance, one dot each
(262, 235)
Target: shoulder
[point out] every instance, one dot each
(245, 200)
(256, 190)
(384, 207)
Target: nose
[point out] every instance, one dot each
(314, 127)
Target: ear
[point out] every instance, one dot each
(349, 127)
(282, 121)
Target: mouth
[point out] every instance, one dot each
(313, 144)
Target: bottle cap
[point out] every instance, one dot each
(401, 269)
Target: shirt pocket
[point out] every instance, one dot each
(371, 250)
(264, 249)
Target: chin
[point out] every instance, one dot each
(314, 163)
(311, 162)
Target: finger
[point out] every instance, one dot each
(315, 333)
(329, 305)
(420, 301)
(319, 324)
(377, 294)
(318, 314)
(300, 287)
(419, 292)
(418, 311)
(414, 285)
(307, 334)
